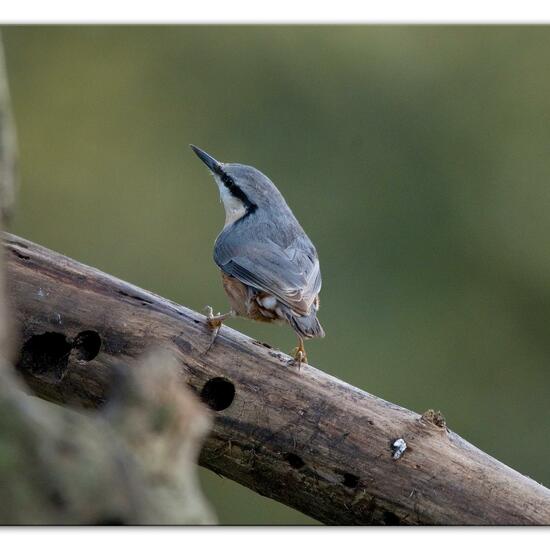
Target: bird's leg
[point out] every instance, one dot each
(300, 355)
(215, 322)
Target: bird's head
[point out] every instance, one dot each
(243, 189)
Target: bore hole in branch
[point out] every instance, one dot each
(218, 393)
(87, 345)
(350, 481)
(295, 461)
(46, 353)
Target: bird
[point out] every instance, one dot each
(269, 266)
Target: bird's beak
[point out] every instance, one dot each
(211, 162)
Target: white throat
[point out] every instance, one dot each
(234, 208)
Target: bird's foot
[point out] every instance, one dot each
(215, 322)
(299, 355)
(212, 320)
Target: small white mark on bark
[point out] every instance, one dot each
(399, 447)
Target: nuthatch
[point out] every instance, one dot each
(270, 269)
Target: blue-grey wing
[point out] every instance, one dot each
(290, 274)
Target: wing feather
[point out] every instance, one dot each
(292, 275)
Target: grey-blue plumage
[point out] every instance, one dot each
(263, 247)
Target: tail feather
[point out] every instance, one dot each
(307, 326)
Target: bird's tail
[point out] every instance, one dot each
(307, 326)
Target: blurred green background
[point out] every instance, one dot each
(416, 158)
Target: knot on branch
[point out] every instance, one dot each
(434, 417)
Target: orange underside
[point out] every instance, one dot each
(245, 300)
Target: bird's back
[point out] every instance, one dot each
(274, 255)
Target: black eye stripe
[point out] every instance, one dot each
(228, 182)
(237, 192)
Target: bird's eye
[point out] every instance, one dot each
(228, 181)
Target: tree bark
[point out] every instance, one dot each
(298, 436)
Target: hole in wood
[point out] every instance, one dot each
(46, 353)
(350, 481)
(294, 460)
(218, 393)
(87, 345)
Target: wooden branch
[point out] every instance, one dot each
(301, 437)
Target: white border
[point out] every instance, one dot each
(227, 538)
(281, 11)
(250, 12)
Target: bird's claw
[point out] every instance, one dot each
(213, 321)
(299, 356)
